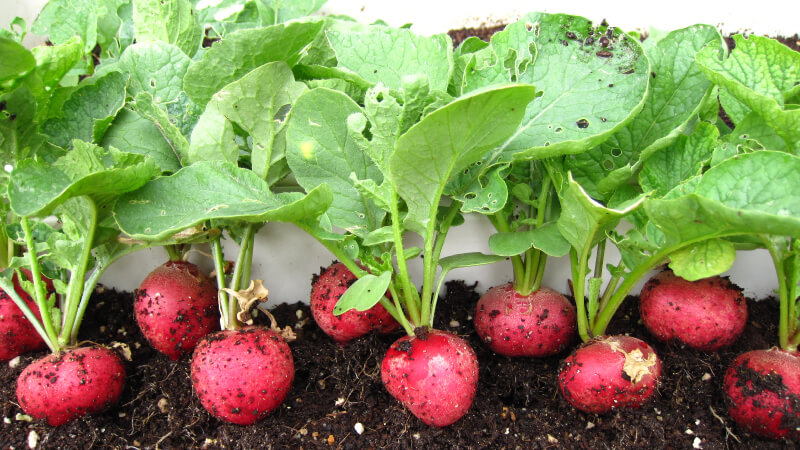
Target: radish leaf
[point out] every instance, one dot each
(387, 55)
(321, 150)
(702, 260)
(89, 111)
(173, 22)
(242, 51)
(37, 187)
(763, 74)
(678, 90)
(210, 190)
(447, 141)
(364, 293)
(577, 109)
(257, 104)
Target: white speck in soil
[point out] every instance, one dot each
(33, 439)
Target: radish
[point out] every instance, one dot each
(434, 374)
(327, 289)
(17, 333)
(610, 373)
(762, 388)
(539, 324)
(240, 376)
(175, 306)
(242, 373)
(78, 188)
(69, 384)
(706, 314)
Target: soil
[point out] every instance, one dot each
(337, 387)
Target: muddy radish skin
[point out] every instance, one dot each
(326, 289)
(175, 306)
(610, 373)
(241, 376)
(762, 388)
(61, 387)
(433, 374)
(705, 315)
(540, 324)
(17, 335)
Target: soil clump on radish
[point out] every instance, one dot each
(337, 387)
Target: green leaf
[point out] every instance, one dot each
(685, 158)
(735, 109)
(485, 198)
(703, 260)
(471, 259)
(748, 194)
(588, 91)
(584, 221)
(364, 293)
(17, 60)
(173, 22)
(19, 138)
(379, 236)
(60, 20)
(257, 104)
(320, 150)
(88, 112)
(387, 55)
(210, 190)
(448, 140)
(546, 238)
(227, 14)
(54, 62)
(37, 187)
(678, 89)
(155, 67)
(761, 73)
(145, 105)
(380, 194)
(242, 51)
(132, 133)
(753, 128)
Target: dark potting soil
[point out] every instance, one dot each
(337, 387)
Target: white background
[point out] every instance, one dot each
(285, 257)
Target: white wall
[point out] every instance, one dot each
(285, 257)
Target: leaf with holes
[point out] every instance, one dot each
(256, 105)
(678, 90)
(591, 83)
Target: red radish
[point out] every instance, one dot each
(326, 289)
(433, 374)
(175, 306)
(706, 314)
(17, 334)
(762, 388)
(240, 376)
(60, 387)
(609, 373)
(540, 324)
